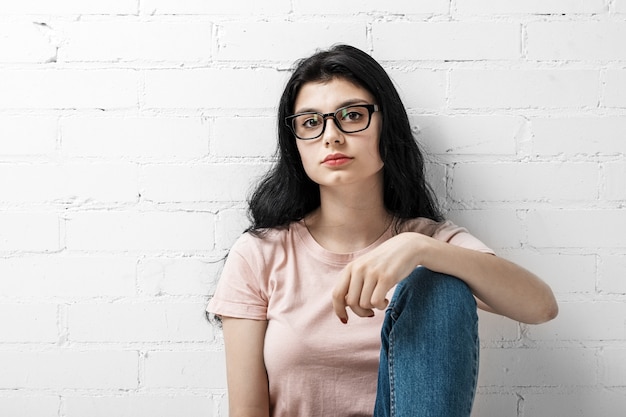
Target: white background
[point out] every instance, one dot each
(131, 130)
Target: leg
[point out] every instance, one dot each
(429, 353)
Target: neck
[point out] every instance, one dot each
(349, 218)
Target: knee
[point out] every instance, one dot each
(439, 289)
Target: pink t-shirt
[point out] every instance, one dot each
(316, 365)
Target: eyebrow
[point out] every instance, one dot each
(349, 102)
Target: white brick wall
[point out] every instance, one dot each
(130, 131)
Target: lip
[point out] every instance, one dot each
(336, 159)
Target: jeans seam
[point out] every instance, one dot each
(392, 386)
(476, 362)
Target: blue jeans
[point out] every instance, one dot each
(429, 354)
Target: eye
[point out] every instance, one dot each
(351, 115)
(310, 122)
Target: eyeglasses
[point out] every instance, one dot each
(350, 119)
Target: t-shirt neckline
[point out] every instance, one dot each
(334, 257)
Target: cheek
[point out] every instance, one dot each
(375, 148)
(375, 152)
(377, 160)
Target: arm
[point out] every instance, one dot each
(500, 286)
(248, 394)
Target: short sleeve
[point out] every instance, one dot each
(241, 291)
(459, 236)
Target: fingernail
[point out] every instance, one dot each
(344, 321)
(371, 315)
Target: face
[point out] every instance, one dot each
(338, 158)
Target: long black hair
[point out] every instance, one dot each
(286, 194)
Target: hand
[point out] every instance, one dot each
(364, 283)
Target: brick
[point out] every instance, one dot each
(223, 406)
(140, 231)
(134, 405)
(27, 42)
(213, 88)
(185, 370)
(420, 89)
(494, 328)
(572, 41)
(136, 41)
(245, 7)
(214, 182)
(28, 322)
(372, 6)
(612, 274)
(589, 135)
(495, 404)
(565, 273)
(67, 89)
(523, 88)
(456, 41)
(614, 89)
(64, 7)
(576, 228)
(27, 135)
(67, 276)
(178, 276)
(613, 367)
(583, 402)
(69, 370)
(540, 367)
(67, 183)
(231, 224)
(244, 137)
(267, 41)
(138, 137)
(29, 232)
(615, 187)
(504, 230)
(509, 181)
(138, 322)
(40, 405)
(468, 134)
(597, 320)
(486, 7)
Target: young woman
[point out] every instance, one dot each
(350, 295)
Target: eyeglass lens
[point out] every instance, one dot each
(349, 119)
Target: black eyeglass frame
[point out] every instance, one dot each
(371, 108)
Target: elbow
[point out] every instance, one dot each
(546, 307)
(552, 311)
(547, 312)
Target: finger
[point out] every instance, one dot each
(359, 302)
(365, 300)
(379, 296)
(362, 312)
(339, 296)
(353, 297)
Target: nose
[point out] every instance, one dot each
(332, 134)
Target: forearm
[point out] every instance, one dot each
(504, 287)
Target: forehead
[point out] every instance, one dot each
(329, 95)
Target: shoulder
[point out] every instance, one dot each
(422, 225)
(445, 231)
(262, 239)
(265, 245)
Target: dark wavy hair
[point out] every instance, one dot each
(286, 194)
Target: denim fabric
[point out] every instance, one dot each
(429, 353)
